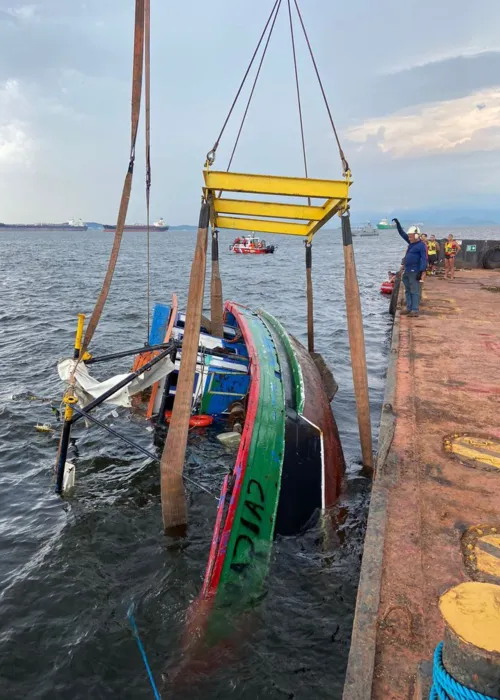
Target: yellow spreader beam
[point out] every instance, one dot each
(274, 216)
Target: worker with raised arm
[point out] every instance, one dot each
(415, 264)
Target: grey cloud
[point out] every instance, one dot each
(442, 80)
(59, 36)
(73, 58)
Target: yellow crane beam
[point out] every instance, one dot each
(262, 225)
(273, 184)
(268, 209)
(256, 215)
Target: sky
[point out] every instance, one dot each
(414, 88)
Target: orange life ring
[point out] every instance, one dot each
(200, 421)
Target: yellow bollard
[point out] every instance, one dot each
(471, 651)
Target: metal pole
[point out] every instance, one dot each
(127, 353)
(173, 500)
(116, 434)
(69, 401)
(216, 303)
(357, 345)
(144, 451)
(310, 302)
(64, 443)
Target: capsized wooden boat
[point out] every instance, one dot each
(289, 463)
(288, 467)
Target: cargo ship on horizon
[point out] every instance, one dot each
(159, 225)
(71, 225)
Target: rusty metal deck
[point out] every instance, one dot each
(436, 493)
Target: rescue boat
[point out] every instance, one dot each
(251, 245)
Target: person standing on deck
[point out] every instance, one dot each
(415, 264)
(433, 249)
(423, 238)
(451, 248)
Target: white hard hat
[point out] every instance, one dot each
(414, 229)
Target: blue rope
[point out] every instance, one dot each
(445, 687)
(135, 631)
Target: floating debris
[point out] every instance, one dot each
(44, 428)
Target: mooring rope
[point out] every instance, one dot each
(271, 21)
(135, 632)
(445, 687)
(211, 154)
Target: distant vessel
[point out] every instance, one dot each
(384, 224)
(159, 225)
(365, 230)
(71, 225)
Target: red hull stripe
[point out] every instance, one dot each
(214, 568)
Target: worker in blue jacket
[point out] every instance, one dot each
(415, 264)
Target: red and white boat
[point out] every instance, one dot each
(251, 245)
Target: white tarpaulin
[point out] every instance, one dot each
(87, 388)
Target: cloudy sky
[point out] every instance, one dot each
(414, 87)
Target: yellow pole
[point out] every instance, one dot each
(69, 400)
(357, 346)
(79, 335)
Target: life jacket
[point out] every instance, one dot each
(450, 248)
(432, 247)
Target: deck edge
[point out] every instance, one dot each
(361, 664)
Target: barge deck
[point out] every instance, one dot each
(434, 519)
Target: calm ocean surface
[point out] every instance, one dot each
(70, 569)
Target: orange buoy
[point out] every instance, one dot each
(386, 287)
(200, 421)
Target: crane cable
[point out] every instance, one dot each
(127, 185)
(345, 164)
(211, 154)
(272, 18)
(276, 10)
(297, 87)
(147, 95)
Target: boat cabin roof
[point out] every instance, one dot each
(249, 238)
